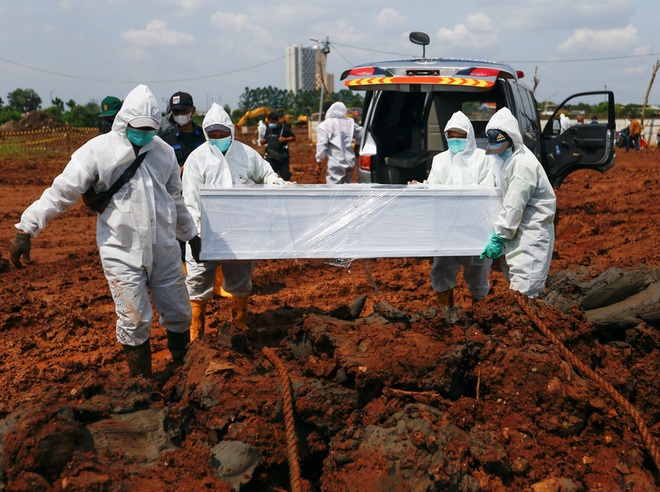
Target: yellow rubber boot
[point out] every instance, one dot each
(197, 323)
(239, 311)
(446, 297)
(218, 291)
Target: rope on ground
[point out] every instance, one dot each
(647, 438)
(289, 423)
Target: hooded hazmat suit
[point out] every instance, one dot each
(207, 166)
(136, 234)
(528, 211)
(467, 168)
(334, 137)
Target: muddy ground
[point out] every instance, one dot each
(389, 392)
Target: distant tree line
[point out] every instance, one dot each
(22, 101)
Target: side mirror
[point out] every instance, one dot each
(556, 127)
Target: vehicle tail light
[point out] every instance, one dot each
(365, 162)
(484, 72)
(520, 74)
(361, 71)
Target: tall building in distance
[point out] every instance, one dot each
(302, 70)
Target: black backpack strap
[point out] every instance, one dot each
(125, 177)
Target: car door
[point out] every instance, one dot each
(580, 146)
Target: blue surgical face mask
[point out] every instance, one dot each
(504, 155)
(457, 145)
(272, 125)
(221, 143)
(140, 137)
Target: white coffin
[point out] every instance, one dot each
(346, 221)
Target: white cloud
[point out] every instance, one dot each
(227, 21)
(65, 5)
(156, 34)
(390, 18)
(604, 40)
(478, 31)
(553, 15)
(134, 54)
(188, 4)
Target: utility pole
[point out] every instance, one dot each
(648, 91)
(323, 48)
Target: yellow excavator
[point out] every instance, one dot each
(253, 113)
(264, 111)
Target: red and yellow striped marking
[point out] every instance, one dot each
(467, 82)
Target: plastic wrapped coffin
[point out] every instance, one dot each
(346, 221)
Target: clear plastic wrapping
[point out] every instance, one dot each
(352, 221)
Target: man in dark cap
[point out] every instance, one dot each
(110, 106)
(183, 135)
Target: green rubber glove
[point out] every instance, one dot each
(493, 249)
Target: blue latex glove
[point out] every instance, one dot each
(493, 249)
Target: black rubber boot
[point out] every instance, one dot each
(178, 343)
(139, 359)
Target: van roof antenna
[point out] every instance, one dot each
(418, 37)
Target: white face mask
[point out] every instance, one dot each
(183, 119)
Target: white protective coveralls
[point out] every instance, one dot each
(468, 168)
(261, 131)
(334, 137)
(207, 166)
(528, 211)
(136, 234)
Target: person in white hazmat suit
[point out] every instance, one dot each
(524, 230)
(334, 137)
(220, 162)
(136, 233)
(465, 165)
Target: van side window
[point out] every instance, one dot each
(529, 118)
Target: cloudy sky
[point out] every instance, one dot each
(87, 49)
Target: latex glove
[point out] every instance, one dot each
(20, 246)
(196, 248)
(493, 249)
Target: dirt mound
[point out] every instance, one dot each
(389, 392)
(34, 120)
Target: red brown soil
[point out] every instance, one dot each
(401, 398)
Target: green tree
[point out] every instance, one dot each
(57, 102)
(57, 109)
(86, 116)
(24, 100)
(7, 113)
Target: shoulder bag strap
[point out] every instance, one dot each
(125, 176)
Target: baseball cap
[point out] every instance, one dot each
(181, 100)
(141, 121)
(110, 106)
(498, 141)
(217, 126)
